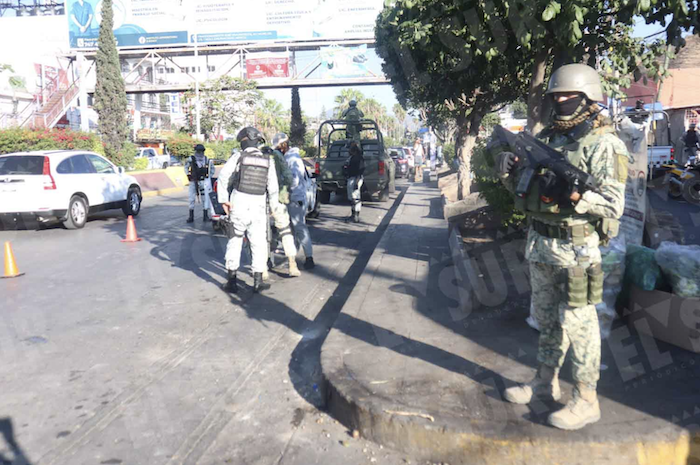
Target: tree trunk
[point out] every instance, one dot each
(467, 132)
(535, 98)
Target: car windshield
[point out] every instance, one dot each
(22, 165)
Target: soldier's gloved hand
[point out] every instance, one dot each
(505, 162)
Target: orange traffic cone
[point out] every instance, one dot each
(11, 270)
(131, 235)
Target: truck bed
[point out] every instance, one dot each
(332, 178)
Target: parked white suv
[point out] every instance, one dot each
(67, 185)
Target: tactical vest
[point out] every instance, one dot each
(549, 208)
(197, 173)
(551, 211)
(252, 173)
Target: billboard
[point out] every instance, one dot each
(267, 65)
(147, 23)
(344, 62)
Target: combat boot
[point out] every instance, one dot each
(293, 268)
(232, 284)
(582, 410)
(205, 215)
(546, 383)
(191, 217)
(259, 284)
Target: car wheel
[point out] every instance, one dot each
(165, 165)
(691, 191)
(77, 213)
(324, 196)
(132, 205)
(317, 208)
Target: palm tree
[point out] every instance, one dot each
(342, 100)
(270, 118)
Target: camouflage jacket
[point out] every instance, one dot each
(284, 176)
(602, 154)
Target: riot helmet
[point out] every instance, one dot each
(250, 137)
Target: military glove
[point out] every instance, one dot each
(505, 162)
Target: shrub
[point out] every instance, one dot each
(309, 152)
(448, 153)
(141, 164)
(21, 140)
(221, 150)
(181, 145)
(126, 156)
(490, 187)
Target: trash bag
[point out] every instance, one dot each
(642, 269)
(681, 267)
(613, 263)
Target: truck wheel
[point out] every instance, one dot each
(392, 185)
(384, 194)
(165, 165)
(691, 191)
(77, 213)
(324, 196)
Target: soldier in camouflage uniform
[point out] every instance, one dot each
(566, 229)
(279, 212)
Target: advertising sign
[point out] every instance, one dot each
(344, 62)
(144, 23)
(267, 65)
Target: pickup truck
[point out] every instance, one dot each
(333, 149)
(155, 161)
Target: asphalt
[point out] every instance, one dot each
(434, 332)
(116, 353)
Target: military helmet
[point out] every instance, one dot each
(577, 78)
(353, 103)
(199, 148)
(251, 134)
(279, 139)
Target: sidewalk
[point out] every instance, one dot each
(418, 364)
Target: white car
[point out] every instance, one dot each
(64, 184)
(155, 161)
(312, 203)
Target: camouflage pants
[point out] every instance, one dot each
(562, 326)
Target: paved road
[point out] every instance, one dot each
(114, 353)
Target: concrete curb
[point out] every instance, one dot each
(470, 441)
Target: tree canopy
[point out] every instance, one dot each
(226, 104)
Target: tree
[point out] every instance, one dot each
(270, 118)
(519, 109)
(110, 95)
(400, 113)
(297, 126)
(342, 100)
(226, 104)
(426, 46)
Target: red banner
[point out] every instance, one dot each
(261, 66)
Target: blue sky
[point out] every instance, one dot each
(314, 99)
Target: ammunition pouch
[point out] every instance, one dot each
(595, 284)
(584, 286)
(541, 194)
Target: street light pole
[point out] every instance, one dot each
(198, 105)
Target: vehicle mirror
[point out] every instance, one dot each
(120, 170)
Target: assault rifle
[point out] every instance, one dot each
(540, 155)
